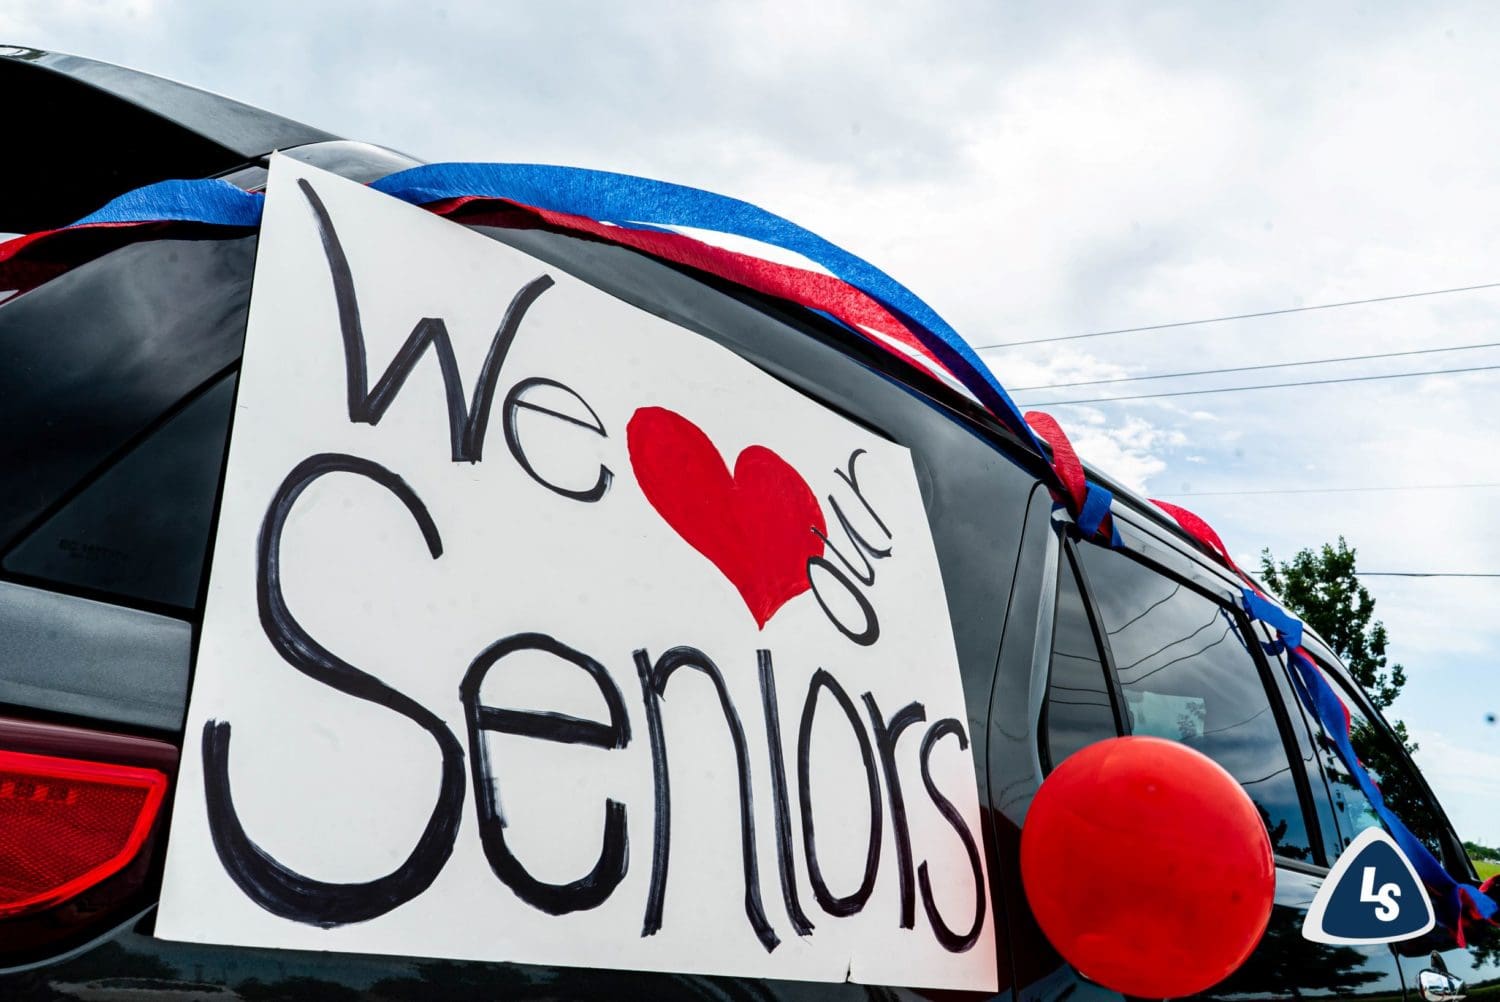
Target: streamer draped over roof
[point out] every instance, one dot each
(676, 223)
(633, 211)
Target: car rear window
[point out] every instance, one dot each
(117, 382)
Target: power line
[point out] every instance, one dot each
(1257, 368)
(1330, 490)
(1263, 386)
(1241, 316)
(1422, 574)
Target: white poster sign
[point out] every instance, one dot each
(541, 629)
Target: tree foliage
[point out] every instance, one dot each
(1323, 589)
(1482, 852)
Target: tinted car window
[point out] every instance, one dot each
(140, 527)
(1187, 673)
(1388, 766)
(1080, 709)
(92, 365)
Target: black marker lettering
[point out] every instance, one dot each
(515, 402)
(832, 904)
(590, 890)
(886, 737)
(661, 843)
(800, 921)
(852, 479)
(952, 942)
(866, 551)
(466, 424)
(859, 544)
(654, 686)
(277, 888)
(869, 631)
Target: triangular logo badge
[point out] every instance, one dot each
(1372, 895)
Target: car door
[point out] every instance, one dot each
(1148, 640)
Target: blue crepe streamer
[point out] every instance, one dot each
(620, 199)
(212, 201)
(1096, 504)
(1284, 623)
(626, 200)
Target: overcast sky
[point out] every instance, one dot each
(1036, 170)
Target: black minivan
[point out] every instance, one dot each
(117, 384)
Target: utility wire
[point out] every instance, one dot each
(1329, 490)
(1263, 386)
(1240, 316)
(1421, 574)
(1257, 368)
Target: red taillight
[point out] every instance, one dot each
(67, 824)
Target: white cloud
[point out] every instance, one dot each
(1127, 451)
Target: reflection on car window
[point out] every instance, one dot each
(1187, 674)
(116, 394)
(1386, 762)
(93, 359)
(139, 528)
(1079, 708)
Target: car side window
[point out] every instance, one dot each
(1393, 774)
(1080, 706)
(139, 527)
(117, 384)
(1187, 671)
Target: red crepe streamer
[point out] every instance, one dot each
(799, 285)
(1065, 461)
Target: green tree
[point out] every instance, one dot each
(1322, 587)
(1482, 852)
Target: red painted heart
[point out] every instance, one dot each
(756, 525)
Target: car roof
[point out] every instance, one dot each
(239, 127)
(141, 129)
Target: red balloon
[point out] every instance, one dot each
(1148, 867)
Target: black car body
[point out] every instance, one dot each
(116, 389)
